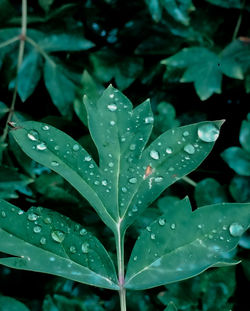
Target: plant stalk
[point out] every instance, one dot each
(119, 238)
(238, 24)
(189, 181)
(22, 38)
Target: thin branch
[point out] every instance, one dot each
(22, 38)
(238, 24)
(189, 181)
(10, 41)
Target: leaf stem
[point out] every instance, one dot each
(22, 38)
(119, 238)
(238, 24)
(189, 181)
(40, 50)
(10, 41)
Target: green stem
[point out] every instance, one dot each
(12, 40)
(19, 63)
(119, 239)
(189, 181)
(238, 24)
(39, 49)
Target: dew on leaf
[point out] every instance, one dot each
(124, 189)
(111, 164)
(33, 135)
(224, 227)
(97, 182)
(171, 169)
(152, 236)
(112, 107)
(20, 212)
(210, 236)
(47, 220)
(132, 147)
(169, 150)
(149, 120)
(104, 182)
(173, 226)
(43, 240)
(158, 179)
(208, 132)
(91, 166)
(72, 249)
(189, 149)
(161, 221)
(83, 231)
(148, 229)
(186, 133)
(133, 180)
(76, 147)
(54, 163)
(87, 158)
(85, 248)
(199, 226)
(112, 95)
(37, 229)
(45, 127)
(3, 214)
(135, 258)
(32, 216)
(58, 236)
(134, 209)
(154, 154)
(112, 122)
(42, 146)
(221, 238)
(236, 229)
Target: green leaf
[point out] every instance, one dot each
(227, 3)
(11, 304)
(129, 176)
(235, 59)
(45, 241)
(201, 67)
(171, 307)
(59, 42)
(155, 9)
(60, 87)
(29, 75)
(238, 160)
(209, 191)
(245, 135)
(182, 243)
(45, 4)
(240, 188)
(3, 110)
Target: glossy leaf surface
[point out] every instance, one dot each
(182, 243)
(45, 241)
(129, 176)
(11, 304)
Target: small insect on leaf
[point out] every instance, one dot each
(149, 171)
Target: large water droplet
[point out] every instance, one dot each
(104, 182)
(83, 231)
(76, 147)
(112, 107)
(154, 155)
(161, 221)
(58, 236)
(185, 134)
(189, 149)
(87, 158)
(37, 229)
(208, 132)
(169, 150)
(149, 120)
(32, 216)
(236, 229)
(33, 135)
(41, 146)
(85, 248)
(133, 180)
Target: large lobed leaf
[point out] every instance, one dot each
(129, 176)
(44, 241)
(181, 243)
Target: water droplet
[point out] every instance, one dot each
(37, 229)
(224, 227)
(154, 155)
(171, 169)
(158, 179)
(112, 95)
(189, 149)
(199, 226)
(45, 127)
(97, 182)
(210, 236)
(83, 231)
(169, 150)
(236, 229)
(129, 214)
(58, 236)
(161, 221)
(47, 220)
(133, 180)
(33, 135)
(104, 182)
(56, 147)
(221, 238)
(148, 229)
(208, 132)
(85, 248)
(20, 212)
(152, 236)
(112, 122)
(54, 163)
(124, 189)
(43, 240)
(3, 214)
(32, 216)
(41, 146)
(132, 147)
(134, 209)
(172, 226)
(87, 158)
(52, 259)
(186, 133)
(76, 147)
(149, 120)
(135, 258)
(72, 249)
(112, 107)
(111, 164)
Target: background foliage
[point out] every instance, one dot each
(192, 58)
